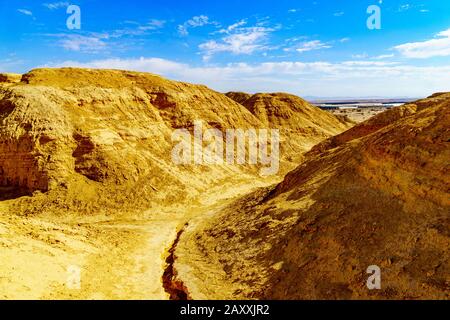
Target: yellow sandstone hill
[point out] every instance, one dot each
(282, 110)
(301, 124)
(377, 198)
(104, 137)
(87, 180)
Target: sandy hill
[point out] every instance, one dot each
(287, 111)
(302, 124)
(103, 137)
(282, 110)
(379, 200)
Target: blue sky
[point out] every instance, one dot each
(320, 48)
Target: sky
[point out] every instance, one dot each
(312, 48)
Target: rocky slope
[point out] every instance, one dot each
(301, 124)
(377, 198)
(282, 110)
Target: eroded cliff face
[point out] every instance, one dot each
(107, 134)
(32, 130)
(380, 199)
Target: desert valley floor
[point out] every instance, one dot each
(87, 181)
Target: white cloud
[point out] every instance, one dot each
(154, 65)
(438, 47)
(233, 27)
(368, 63)
(406, 7)
(238, 39)
(384, 56)
(194, 22)
(348, 78)
(25, 12)
(310, 46)
(153, 24)
(56, 5)
(339, 14)
(137, 29)
(80, 43)
(95, 42)
(360, 56)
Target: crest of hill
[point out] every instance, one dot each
(104, 78)
(87, 134)
(379, 200)
(282, 110)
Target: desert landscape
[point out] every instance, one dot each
(88, 183)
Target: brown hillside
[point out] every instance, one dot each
(378, 200)
(108, 133)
